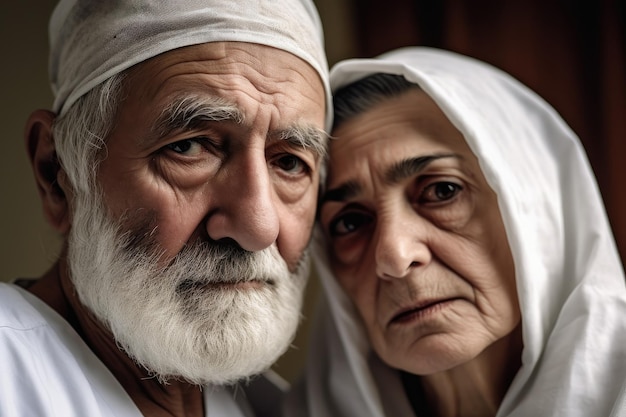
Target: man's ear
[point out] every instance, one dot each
(52, 182)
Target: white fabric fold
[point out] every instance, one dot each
(569, 276)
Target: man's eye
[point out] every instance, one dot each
(439, 192)
(291, 164)
(348, 223)
(188, 147)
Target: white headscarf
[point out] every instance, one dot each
(570, 281)
(92, 40)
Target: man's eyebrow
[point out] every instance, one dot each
(305, 136)
(344, 192)
(411, 166)
(190, 112)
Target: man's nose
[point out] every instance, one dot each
(401, 243)
(244, 206)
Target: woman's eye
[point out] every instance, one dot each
(291, 164)
(348, 223)
(439, 192)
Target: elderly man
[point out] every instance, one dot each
(180, 163)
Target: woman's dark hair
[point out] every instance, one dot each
(361, 95)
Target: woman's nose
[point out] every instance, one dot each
(245, 208)
(401, 244)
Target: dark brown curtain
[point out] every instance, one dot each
(571, 52)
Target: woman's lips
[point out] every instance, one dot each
(419, 310)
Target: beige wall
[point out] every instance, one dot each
(28, 245)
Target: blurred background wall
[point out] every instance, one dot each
(572, 52)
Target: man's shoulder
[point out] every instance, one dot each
(30, 340)
(44, 360)
(17, 312)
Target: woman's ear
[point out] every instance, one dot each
(51, 180)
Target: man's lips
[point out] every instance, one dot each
(239, 285)
(226, 285)
(418, 310)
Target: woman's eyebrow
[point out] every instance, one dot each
(341, 193)
(411, 166)
(397, 172)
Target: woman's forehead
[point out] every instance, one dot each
(407, 126)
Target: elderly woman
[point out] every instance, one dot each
(466, 258)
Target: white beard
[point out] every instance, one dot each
(167, 318)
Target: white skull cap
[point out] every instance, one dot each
(92, 40)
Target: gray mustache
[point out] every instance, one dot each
(220, 262)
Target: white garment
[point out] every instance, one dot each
(569, 277)
(47, 370)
